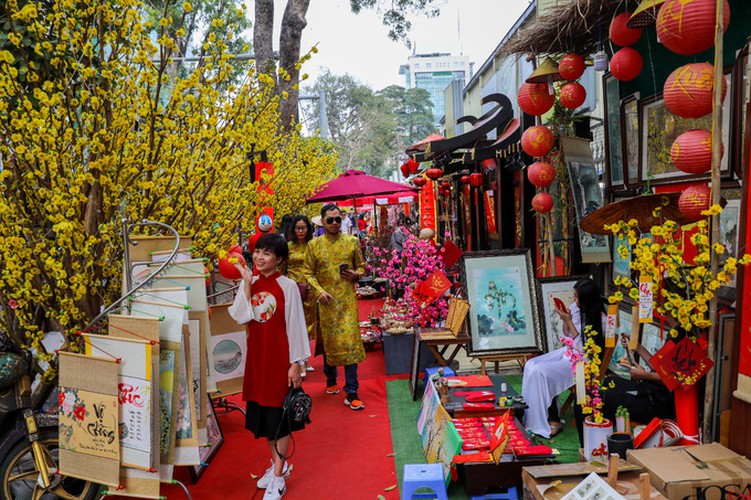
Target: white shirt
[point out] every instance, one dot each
(346, 224)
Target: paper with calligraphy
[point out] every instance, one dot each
(682, 363)
(89, 423)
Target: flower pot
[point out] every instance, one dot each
(619, 442)
(596, 439)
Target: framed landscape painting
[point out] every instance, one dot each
(504, 305)
(552, 289)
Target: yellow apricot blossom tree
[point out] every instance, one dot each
(94, 129)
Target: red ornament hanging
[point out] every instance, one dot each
(419, 181)
(687, 27)
(571, 66)
(542, 203)
(688, 91)
(693, 201)
(413, 166)
(541, 174)
(621, 34)
(537, 140)
(626, 64)
(228, 269)
(692, 151)
(475, 179)
(535, 99)
(445, 185)
(488, 164)
(572, 95)
(465, 179)
(434, 173)
(404, 169)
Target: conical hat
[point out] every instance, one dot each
(546, 72)
(645, 14)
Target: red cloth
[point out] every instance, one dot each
(267, 356)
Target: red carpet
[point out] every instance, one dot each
(342, 455)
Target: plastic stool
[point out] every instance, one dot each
(509, 495)
(418, 476)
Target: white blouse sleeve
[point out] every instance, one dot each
(241, 310)
(294, 316)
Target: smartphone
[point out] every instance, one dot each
(343, 267)
(560, 305)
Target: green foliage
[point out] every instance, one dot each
(397, 14)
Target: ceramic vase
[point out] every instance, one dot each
(596, 439)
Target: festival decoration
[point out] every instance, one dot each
(688, 90)
(488, 164)
(434, 173)
(541, 174)
(645, 14)
(547, 72)
(419, 181)
(621, 34)
(227, 265)
(534, 98)
(687, 27)
(542, 203)
(572, 95)
(571, 66)
(464, 179)
(691, 151)
(413, 166)
(475, 179)
(694, 200)
(404, 169)
(537, 140)
(445, 185)
(626, 64)
(600, 61)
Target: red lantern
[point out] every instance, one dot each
(626, 64)
(227, 268)
(434, 173)
(622, 35)
(419, 181)
(692, 151)
(465, 179)
(475, 179)
(235, 249)
(688, 90)
(405, 170)
(541, 174)
(572, 95)
(445, 185)
(571, 66)
(446, 193)
(542, 203)
(687, 27)
(535, 99)
(413, 166)
(693, 201)
(488, 164)
(537, 140)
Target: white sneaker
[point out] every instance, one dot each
(276, 489)
(269, 475)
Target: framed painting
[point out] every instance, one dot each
(504, 315)
(629, 112)
(729, 219)
(552, 289)
(216, 438)
(724, 376)
(613, 137)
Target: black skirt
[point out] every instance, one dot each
(269, 422)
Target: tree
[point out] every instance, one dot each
(89, 134)
(414, 113)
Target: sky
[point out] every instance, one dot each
(359, 45)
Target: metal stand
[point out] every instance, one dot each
(226, 406)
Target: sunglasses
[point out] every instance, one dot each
(331, 220)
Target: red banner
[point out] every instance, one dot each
(427, 207)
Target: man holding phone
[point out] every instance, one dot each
(333, 264)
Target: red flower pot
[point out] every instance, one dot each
(687, 27)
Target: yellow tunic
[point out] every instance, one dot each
(338, 320)
(295, 272)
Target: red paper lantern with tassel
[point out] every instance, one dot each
(413, 166)
(228, 269)
(537, 140)
(542, 203)
(404, 169)
(434, 173)
(464, 179)
(621, 34)
(688, 91)
(541, 174)
(572, 95)
(571, 66)
(535, 98)
(626, 64)
(693, 201)
(475, 179)
(691, 152)
(419, 181)
(687, 27)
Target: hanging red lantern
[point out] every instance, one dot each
(488, 164)
(537, 140)
(542, 203)
(621, 34)
(228, 269)
(626, 64)
(434, 173)
(419, 181)
(404, 169)
(541, 174)
(475, 179)
(571, 66)
(445, 185)
(687, 27)
(693, 201)
(688, 91)
(465, 179)
(572, 95)
(413, 166)
(691, 152)
(535, 99)
(445, 192)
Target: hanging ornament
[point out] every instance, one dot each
(645, 14)
(541, 174)
(488, 164)
(621, 34)
(445, 185)
(688, 91)
(542, 203)
(534, 98)
(601, 61)
(572, 95)
(404, 169)
(537, 140)
(687, 27)
(419, 181)
(413, 166)
(434, 173)
(475, 179)
(464, 179)
(693, 201)
(571, 66)
(691, 151)
(228, 269)
(626, 64)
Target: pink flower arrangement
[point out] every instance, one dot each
(592, 405)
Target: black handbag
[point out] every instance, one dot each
(297, 405)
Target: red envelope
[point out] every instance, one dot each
(451, 253)
(683, 363)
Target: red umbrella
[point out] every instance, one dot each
(356, 184)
